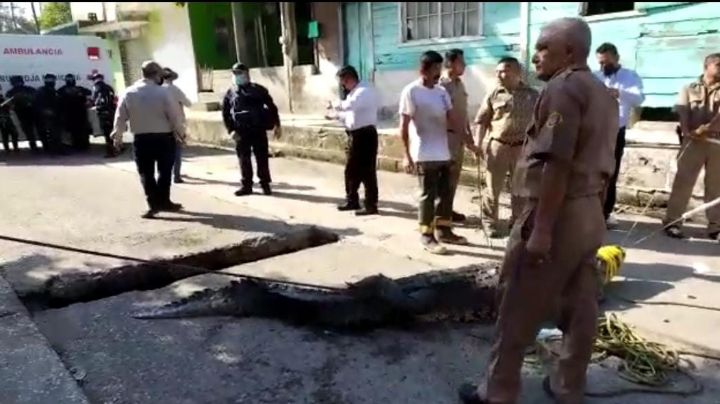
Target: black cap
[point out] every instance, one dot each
(16, 79)
(69, 76)
(49, 76)
(239, 67)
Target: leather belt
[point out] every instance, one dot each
(507, 143)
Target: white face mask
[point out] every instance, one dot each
(241, 79)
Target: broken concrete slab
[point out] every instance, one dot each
(106, 218)
(30, 371)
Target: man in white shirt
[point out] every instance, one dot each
(155, 122)
(358, 112)
(626, 86)
(426, 114)
(182, 101)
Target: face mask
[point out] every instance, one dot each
(70, 82)
(50, 84)
(241, 79)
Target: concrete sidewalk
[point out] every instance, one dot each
(660, 269)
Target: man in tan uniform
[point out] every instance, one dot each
(548, 271)
(455, 68)
(697, 109)
(505, 116)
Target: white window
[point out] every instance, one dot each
(433, 20)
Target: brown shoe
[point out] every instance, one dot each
(446, 235)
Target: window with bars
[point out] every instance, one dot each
(434, 20)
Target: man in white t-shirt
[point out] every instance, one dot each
(426, 114)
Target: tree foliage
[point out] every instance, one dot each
(54, 14)
(13, 23)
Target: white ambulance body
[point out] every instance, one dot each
(33, 56)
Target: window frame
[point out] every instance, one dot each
(402, 16)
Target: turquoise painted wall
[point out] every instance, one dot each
(501, 26)
(666, 44)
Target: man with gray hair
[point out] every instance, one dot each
(155, 123)
(548, 271)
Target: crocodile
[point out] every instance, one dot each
(464, 294)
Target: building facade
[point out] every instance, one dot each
(664, 41)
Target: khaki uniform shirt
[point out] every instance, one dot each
(459, 98)
(575, 121)
(701, 103)
(507, 114)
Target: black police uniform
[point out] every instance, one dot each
(250, 112)
(23, 98)
(49, 123)
(103, 98)
(73, 102)
(6, 126)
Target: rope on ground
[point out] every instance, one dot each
(644, 362)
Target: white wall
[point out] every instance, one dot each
(478, 82)
(170, 43)
(167, 40)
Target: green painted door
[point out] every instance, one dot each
(358, 38)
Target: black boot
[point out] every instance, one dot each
(244, 191)
(347, 206)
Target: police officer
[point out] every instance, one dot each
(548, 271)
(23, 97)
(503, 119)
(49, 115)
(74, 102)
(103, 99)
(453, 84)
(698, 108)
(6, 125)
(248, 113)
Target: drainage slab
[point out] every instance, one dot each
(253, 360)
(79, 286)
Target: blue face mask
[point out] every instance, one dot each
(241, 79)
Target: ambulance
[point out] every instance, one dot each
(33, 56)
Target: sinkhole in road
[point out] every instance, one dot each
(66, 289)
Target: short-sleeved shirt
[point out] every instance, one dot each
(575, 121)
(459, 98)
(428, 108)
(701, 101)
(507, 113)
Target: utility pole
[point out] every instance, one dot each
(12, 15)
(287, 40)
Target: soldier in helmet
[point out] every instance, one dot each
(48, 111)
(74, 102)
(248, 113)
(104, 101)
(22, 98)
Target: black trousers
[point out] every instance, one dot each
(50, 132)
(27, 123)
(79, 128)
(361, 166)
(611, 196)
(106, 125)
(153, 149)
(253, 141)
(8, 133)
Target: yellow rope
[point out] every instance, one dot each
(610, 258)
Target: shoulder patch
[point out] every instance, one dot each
(554, 119)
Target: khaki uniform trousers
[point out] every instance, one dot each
(695, 155)
(501, 161)
(563, 289)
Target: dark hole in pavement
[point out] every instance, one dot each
(68, 289)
